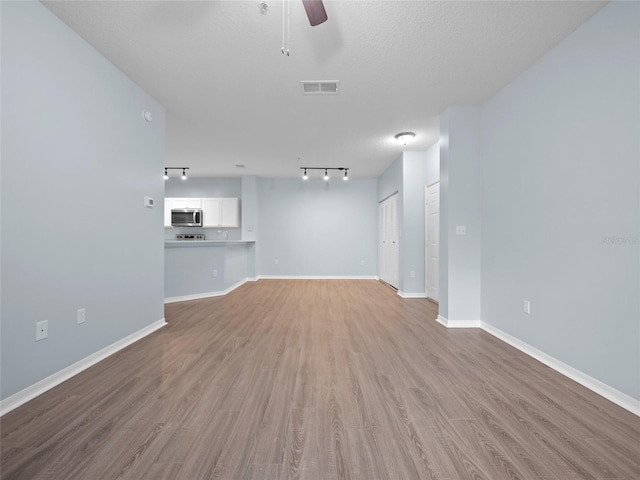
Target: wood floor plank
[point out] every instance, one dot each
(318, 380)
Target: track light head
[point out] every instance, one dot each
(184, 172)
(346, 175)
(304, 175)
(326, 175)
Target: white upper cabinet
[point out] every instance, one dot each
(211, 212)
(187, 203)
(168, 205)
(216, 212)
(220, 212)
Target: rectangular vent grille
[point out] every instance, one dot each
(319, 87)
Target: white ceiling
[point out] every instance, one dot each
(233, 98)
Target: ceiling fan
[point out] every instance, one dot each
(315, 11)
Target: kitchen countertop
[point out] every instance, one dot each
(205, 243)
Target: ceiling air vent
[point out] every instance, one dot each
(319, 87)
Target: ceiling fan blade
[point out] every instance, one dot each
(315, 11)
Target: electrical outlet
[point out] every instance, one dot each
(275, 261)
(80, 317)
(526, 307)
(215, 273)
(461, 230)
(42, 330)
(412, 274)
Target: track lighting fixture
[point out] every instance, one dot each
(305, 176)
(184, 172)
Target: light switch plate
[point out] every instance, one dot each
(148, 202)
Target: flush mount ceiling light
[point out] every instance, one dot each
(184, 172)
(405, 137)
(326, 172)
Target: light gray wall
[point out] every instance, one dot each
(412, 244)
(203, 187)
(443, 260)
(249, 207)
(77, 160)
(432, 174)
(190, 269)
(460, 199)
(419, 170)
(408, 175)
(317, 228)
(561, 201)
(390, 181)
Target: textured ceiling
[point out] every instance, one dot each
(233, 98)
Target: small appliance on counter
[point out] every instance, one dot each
(190, 236)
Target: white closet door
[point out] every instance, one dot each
(433, 243)
(389, 253)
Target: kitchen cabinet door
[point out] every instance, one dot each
(211, 212)
(187, 203)
(168, 205)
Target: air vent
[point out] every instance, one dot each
(319, 87)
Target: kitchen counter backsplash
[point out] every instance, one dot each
(209, 233)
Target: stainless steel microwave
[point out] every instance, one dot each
(186, 217)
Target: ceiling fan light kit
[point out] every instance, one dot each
(315, 11)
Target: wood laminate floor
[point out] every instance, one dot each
(318, 380)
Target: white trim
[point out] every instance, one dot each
(317, 277)
(412, 295)
(198, 296)
(458, 323)
(38, 388)
(621, 399)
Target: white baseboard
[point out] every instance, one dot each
(458, 323)
(31, 392)
(198, 296)
(621, 399)
(317, 277)
(412, 295)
